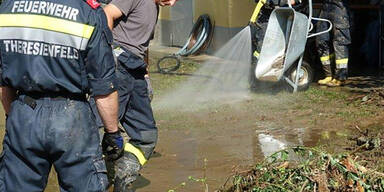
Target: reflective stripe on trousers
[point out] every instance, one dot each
(327, 58)
(342, 63)
(135, 151)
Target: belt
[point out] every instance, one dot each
(30, 98)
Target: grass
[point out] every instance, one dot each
(165, 82)
(319, 95)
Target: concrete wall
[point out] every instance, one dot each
(175, 23)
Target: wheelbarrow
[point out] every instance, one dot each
(284, 45)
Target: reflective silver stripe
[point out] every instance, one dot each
(342, 66)
(41, 35)
(342, 63)
(326, 62)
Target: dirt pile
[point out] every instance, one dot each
(373, 97)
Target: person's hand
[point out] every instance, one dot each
(149, 87)
(112, 145)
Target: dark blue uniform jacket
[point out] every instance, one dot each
(55, 46)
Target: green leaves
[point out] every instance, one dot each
(284, 155)
(302, 168)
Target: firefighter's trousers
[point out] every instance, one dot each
(333, 47)
(46, 131)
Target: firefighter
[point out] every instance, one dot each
(258, 25)
(132, 33)
(53, 53)
(333, 47)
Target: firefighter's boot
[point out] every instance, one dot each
(126, 172)
(335, 83)
(325, 81)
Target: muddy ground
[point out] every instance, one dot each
(214, 141)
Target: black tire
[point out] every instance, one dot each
(306, 78)
(166, 67)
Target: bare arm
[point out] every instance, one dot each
(112, 13)
(7, 96)
(167, 2)
(108, 108)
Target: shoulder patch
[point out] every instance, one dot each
(93, 3)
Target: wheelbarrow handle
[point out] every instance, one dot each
(310, 18)
(322, 32)
(310, 27)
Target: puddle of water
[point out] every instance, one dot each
(183, 153)
(270, 145)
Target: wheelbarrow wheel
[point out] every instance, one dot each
(305, 78)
